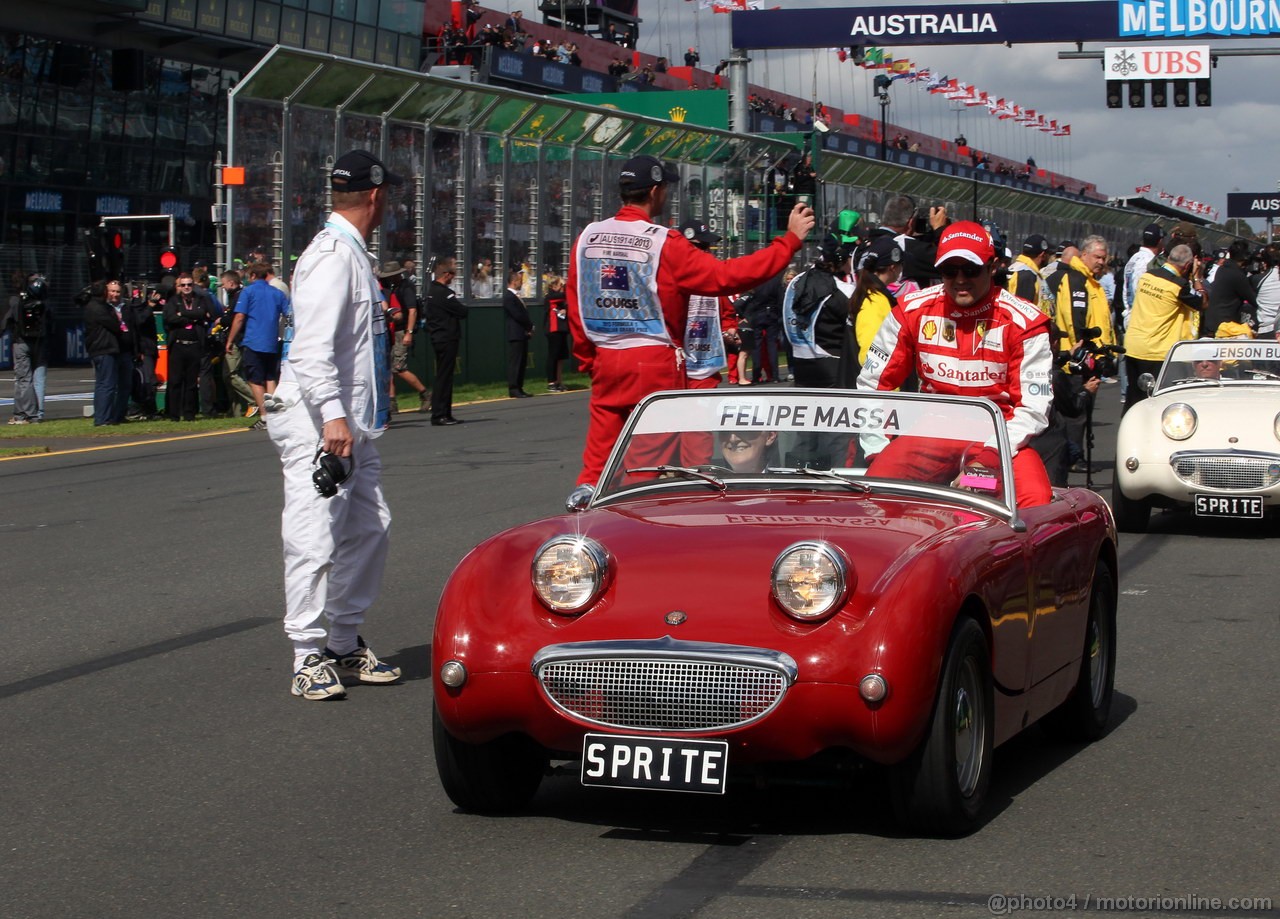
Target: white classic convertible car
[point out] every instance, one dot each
(1208, 437)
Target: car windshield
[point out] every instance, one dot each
(716, 441)
(1220, 362)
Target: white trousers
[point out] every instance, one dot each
(335, 549)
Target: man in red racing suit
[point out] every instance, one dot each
(968, 337)
(628, 287)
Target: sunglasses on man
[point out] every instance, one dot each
(968, 269)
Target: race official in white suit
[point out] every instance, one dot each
(331, 403)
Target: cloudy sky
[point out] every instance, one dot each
(1200, 153)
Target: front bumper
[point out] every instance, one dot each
(1176, 478)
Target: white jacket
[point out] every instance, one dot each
(332, 359)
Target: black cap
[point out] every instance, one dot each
(360, 170)
(641, 172)
(699, 233)
(1035, 245)
(1065, 245)
(1152, 234)
(880, 252)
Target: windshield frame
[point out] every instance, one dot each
(1176, 374)
(783, 478)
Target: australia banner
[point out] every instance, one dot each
(1000, 23)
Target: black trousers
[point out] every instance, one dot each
(1134, 368)
(517, 363)
(442, 385)
(182, 391)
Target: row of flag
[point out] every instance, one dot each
(1187, 204)
(732, 6)
(953, 89)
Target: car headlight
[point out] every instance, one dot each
(1178, 421)
(1275, 426)
(569, 573)
(810, 580)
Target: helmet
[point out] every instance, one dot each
(35, 286)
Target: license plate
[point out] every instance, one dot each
(1248, 506)
(656, 763)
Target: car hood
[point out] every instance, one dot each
(1245, 412)
(711, 558)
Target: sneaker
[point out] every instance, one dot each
(424, 403)
(361, 665)
(316, 680)
(16, 420)
(259, 425)
(251, 411)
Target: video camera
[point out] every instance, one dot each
(1088, 359)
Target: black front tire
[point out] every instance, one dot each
(497, 777)
(1131, 515)
(940, 789)
(1084, 715)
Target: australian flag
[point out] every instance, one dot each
(614, 277)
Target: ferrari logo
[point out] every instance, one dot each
(981, 328)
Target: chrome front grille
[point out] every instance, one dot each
(664, 685)
(1229, 472)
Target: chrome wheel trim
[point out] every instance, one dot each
(969, 727)
(1099, 651)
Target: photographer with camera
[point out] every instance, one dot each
(1075, 384)
(916, 233)
(1081, 305)
(27, 321)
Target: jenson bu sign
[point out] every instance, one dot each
(1157, 62)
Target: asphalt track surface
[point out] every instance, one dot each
(155, 763)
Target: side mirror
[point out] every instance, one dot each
(579, 498)
(1147, 383)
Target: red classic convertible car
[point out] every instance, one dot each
(781, 577)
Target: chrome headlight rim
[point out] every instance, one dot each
(1176, 412)
(597, 563)
(837, 591)
(1275, 426)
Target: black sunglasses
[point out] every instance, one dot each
(969, 270)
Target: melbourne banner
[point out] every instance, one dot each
(998, 23)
